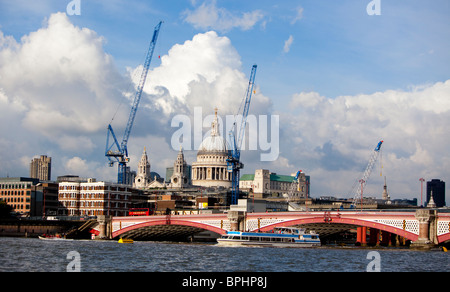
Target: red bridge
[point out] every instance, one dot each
(421, 226)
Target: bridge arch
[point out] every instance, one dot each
(172, 222)
(350, 221)
(444, 238)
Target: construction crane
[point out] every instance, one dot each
(233, 161)
(120, 154)
(294, 185)
(359, 184)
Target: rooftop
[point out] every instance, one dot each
(273, 177)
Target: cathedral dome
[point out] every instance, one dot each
(214, 144)
(210, 169)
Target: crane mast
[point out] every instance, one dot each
(233, 161)
(120, 155)
(357, 189)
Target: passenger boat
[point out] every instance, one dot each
(280, 237)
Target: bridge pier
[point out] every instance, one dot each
(386, 238)
(427, 229)
(374, 237)
(105, 228)
(361, 236)
(237, 220)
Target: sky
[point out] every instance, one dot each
(338, 80)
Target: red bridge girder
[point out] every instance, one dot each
(169, 222)
(338, 220)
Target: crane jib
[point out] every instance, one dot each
(378, 148)
(234, 165)
(121, 154)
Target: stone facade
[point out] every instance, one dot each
(265, 184)
(210, 169)
(143, 178)
(179, 179)
(41, 168)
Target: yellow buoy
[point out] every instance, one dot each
(125, 240)
(444, 249)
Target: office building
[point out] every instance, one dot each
(94, 198)
(28, 197)
(438, 188)
(41, 168)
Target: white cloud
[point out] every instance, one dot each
(307, 99)
(298, 16)
(209, 16)
(344, 131)
(205, 71)
(59, 90)
(76, 165)
(61, 77)
(86, 168)
(287, 44)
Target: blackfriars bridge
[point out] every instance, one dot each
(423, 227)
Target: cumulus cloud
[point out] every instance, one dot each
(209, 16)
(61, 77)
(337, 135)
(59, 90)
(203, 72)
(86, 168)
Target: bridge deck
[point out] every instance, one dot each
(398, 222)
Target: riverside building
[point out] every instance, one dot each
(94, 198)
(29, 197)
(264, 184)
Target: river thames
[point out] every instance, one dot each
(35, 255)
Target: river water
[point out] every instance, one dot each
(30, 255)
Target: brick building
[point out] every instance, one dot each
(29, 197)
(94, 198)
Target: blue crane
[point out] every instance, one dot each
(356, 189)
(294, 184)
(120, 154)
(233, 161)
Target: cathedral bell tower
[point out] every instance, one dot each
(179, 178)
(143, 178)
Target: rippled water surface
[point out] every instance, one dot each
(25, 255)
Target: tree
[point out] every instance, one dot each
(5, 209)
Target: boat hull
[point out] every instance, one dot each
(279, 237)
(237, 243)
(125, 240)
(54, 238)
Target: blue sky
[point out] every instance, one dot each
(312, 56)
(338, 49)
